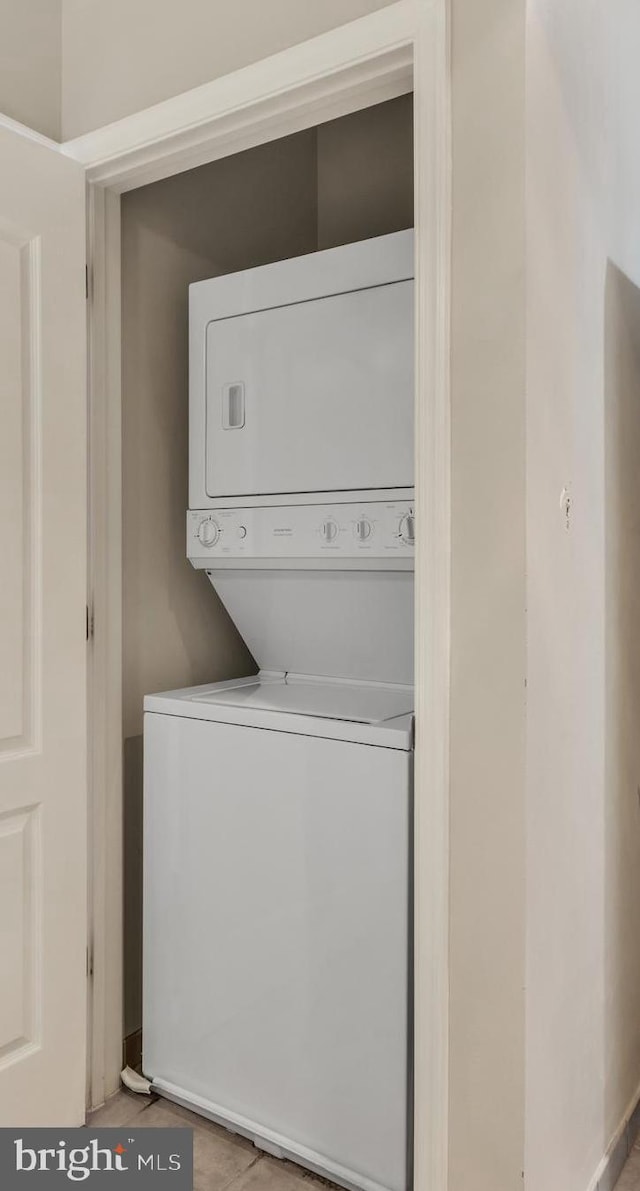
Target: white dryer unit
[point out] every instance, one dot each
(301, 457)
(278, 808)
(301, 376)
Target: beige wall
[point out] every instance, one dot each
(365, 173)
(266, 204)
(583, 403)
(623, 165)
(125, 55)
(488, 599)
(622, 712)
(68, 66)
(30, 63)
(570, 1045)
(565, 1135)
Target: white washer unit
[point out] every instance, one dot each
(276, 943)
(278, 807)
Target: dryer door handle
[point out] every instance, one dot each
(233, 405)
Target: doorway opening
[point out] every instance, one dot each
(361, 65)
(345, 180)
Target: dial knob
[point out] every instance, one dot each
(329, 530)
(363, 529)
(407, 529)
(208, 532)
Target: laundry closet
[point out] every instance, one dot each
(346, 181)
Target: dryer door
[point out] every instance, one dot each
(312, 397)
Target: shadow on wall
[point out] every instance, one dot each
(622, 714)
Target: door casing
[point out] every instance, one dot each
(402, 47)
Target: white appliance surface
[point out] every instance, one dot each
(346, 534)
(333, 700)
(301, 376)
(276, 938)
(277, 807)
(327, 392)
(374, 714)
(301, 383)
(345, 624)
(316, 589)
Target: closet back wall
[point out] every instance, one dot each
(349, 179)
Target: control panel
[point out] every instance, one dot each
(369, 531)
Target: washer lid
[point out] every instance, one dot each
(330, 700)
(373, 714)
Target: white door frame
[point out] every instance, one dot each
(398, 48)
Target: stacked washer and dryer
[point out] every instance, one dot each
(277, 838)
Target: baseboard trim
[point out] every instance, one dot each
(612, 1164)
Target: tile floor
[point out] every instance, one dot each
(221, 1160)
(225, 1162)
(630, 1178)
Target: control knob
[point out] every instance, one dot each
(407, 529)
(329, 530)
(208, 532)
(364, 529)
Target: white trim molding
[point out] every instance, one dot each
(105, 654)
(29, 134)
(354, 66)
(432, 167)
(402, 46)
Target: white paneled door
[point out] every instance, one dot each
(43, 784)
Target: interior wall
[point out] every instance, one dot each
(121, 57)
(488, 599)
(365, 173)
(263, 205)
(623, 159)
(31, 63)
(565, 797)
(583, 387)
(622, 714)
